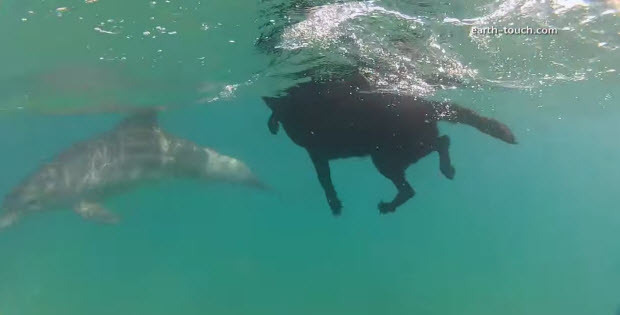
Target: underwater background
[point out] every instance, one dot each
(525, 229)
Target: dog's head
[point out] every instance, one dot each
(274, 103)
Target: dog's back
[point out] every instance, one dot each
(341, 121)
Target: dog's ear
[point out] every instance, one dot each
(273, 124)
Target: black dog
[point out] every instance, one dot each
(338, 119)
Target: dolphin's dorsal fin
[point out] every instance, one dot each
(144, 118)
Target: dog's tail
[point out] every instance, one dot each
(457, 114)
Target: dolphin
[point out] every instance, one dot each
(134, 152)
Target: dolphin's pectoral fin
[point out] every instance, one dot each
(96, 212)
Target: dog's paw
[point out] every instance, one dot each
(336, 206)
(449, 172)
(386, 207)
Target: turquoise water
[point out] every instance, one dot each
(526, 229)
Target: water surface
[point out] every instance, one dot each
(526, 229)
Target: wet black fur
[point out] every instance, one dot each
(340, 119)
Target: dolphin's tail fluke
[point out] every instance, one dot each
(457, 114)
(7, 219)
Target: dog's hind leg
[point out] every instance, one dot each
(323, 172)
(445, 164)
(394, 171)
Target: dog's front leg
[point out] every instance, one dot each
(321, 164)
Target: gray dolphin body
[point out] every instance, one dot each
(137, 150)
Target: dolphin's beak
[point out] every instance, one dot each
(257, 183)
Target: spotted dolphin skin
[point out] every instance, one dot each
(135, 151)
